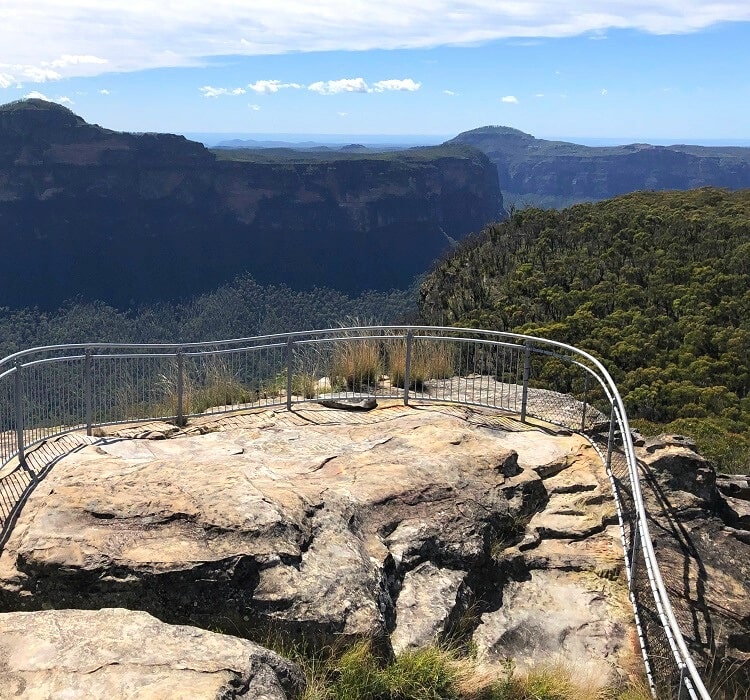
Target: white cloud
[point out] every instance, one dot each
(255, 108)
(69, 60)
(88, 37)
(510, 99)
(406, 84)
(209, 91)
(104, 91)
(6, 80)
(343, 114)
(539, 94)
(334, 87)
(449, 92)
(267, 87)
(36, 95)
(605, 91)
(39, 75)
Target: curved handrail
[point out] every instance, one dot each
(15, 367)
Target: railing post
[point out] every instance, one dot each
(681, 687)
(407, 365)
(585, 393)
(87, 393)
(19, 414)
(526, 373)
(180, 387)
(289, 367)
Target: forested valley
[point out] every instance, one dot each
(239, 309)
(656, 284)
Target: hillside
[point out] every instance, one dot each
(557, 173)
(130, 218)
(656, 284)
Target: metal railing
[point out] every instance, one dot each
(49, 391)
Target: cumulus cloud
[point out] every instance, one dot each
(334, 87)
(267, 87)
(255, 108)
(605, 91)
(449, 92)
(407, 84)
(73, 39)
(6, 80)
(510, 99)
(104, 91)
(36, 95)
(210, 91)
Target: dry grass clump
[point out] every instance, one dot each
(437, 673)
(430, 359)
(356, 363)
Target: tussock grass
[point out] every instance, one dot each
(357, 364)
(356, 672)
(429, 360)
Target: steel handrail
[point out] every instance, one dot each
(10, 366)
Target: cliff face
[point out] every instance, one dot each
(129, 218)
(560, 173)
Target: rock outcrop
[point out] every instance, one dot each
(86, 211)
(557, 173)
(115, 653)
(406, 525)
(703, 546)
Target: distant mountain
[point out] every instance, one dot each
(128, 218)
(557, 173)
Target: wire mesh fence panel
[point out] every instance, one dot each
(131, 387)
(52, 400)
(8, 435)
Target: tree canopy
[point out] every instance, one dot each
(657, 284)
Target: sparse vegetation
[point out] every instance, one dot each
(429, 360)
(356, 672)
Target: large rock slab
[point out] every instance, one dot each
(578, 620)
(275, 522)
(115, 653)
(400, 524)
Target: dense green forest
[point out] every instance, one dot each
(657, 284)
(240, 309)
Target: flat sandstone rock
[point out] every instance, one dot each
(115, 653)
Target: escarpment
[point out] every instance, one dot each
(127, 218)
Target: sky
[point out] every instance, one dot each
(623, 70)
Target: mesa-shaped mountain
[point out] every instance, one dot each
(557, 173)
(127, 218)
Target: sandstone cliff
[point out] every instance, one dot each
(557, 173)
(85, 211)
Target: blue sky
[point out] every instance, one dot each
(627, 69)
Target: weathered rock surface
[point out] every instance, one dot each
(403, 524)
(703, 546)
(115, 653)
